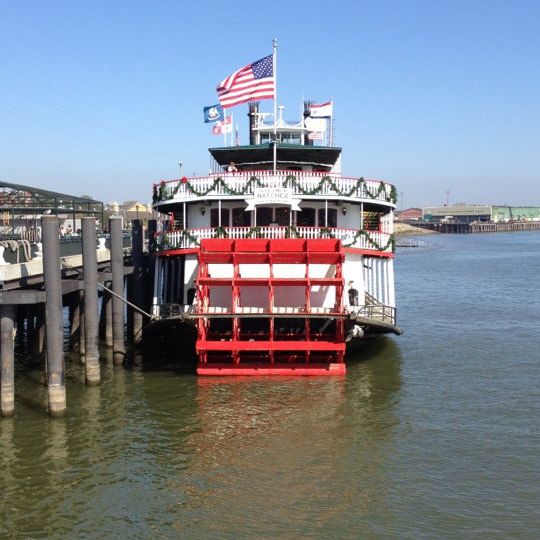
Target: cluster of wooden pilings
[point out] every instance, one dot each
(36, 320)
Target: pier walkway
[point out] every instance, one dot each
(461, 227)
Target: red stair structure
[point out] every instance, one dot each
(263, 308)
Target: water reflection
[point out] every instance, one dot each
(156, 452)
(311, 449)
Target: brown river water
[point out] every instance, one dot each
(433, 434)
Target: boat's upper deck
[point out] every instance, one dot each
(308, 185)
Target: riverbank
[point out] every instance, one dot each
(405, 229)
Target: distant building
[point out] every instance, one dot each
(410, 214)
(467, 213)
(131, 210)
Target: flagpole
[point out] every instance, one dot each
(225, 129)
(332, 124)
(274, 67)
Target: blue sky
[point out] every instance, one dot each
(105, 97)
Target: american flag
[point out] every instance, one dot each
(250, 83)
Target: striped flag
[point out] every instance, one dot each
(250, 83)
(323, 110)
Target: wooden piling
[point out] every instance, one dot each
(149, 292)
(137, 278)
(106, 316)
(82, 337)
(53, 311)
(117, 271)
(89, 246)
(74, 319)
(7, 374)
(20, 325)
(130, 312)
(37, 344)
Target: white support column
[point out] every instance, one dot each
(391, 288)
(326, 212)
(379, 281)
(369, 276)
(385, 280)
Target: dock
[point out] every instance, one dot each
(463, 227)
(38, 283)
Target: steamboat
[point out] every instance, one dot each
(276, 260)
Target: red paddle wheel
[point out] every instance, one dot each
(270, 307)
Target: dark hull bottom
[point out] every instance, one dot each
(174, 340)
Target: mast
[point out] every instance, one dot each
(274, 66)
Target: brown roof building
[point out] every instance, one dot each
(410, 214)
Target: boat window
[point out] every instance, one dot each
(264, 216)
(241, 218)
(306, 217)
(214, 221)
(332, 218)
(283, 214)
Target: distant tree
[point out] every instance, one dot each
(86, 197)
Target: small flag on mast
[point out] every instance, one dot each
(250, 83)
(223, 126)
(324, 110)
(213, 113)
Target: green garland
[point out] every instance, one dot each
(254, 232)
(253, 181)
(290, 181)
(290, 232)
(391, 243)
(220, 232)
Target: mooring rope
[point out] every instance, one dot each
(119, 296)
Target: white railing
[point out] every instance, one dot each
(303, 183)
(191, 238)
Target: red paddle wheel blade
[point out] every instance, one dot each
(258, 335)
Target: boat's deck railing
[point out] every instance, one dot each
(378, 313)
(356, 238)
(301, 183)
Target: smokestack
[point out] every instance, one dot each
(253, 111)
(307, 108)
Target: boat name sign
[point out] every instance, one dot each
(273, 195)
